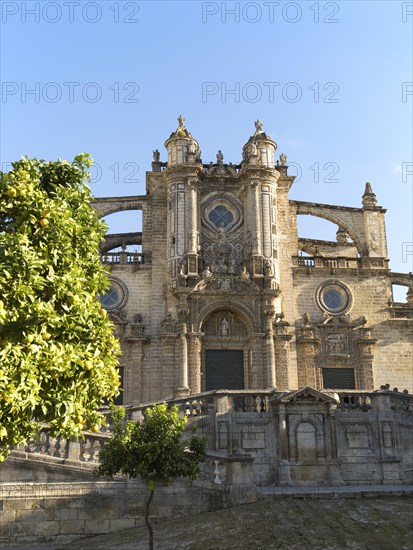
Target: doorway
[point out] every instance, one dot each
(224, 370)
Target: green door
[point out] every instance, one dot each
(224, 370)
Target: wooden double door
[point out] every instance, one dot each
(224, 370)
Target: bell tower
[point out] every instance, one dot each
(181, 178)
(260, 179)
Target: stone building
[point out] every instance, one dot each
(274, 346)
(219, 292)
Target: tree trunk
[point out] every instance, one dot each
(148, 523)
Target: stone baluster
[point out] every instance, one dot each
(217, 479)
(62, 447)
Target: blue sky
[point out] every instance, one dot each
(326, 79)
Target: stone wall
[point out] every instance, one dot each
(268, 438)
(310, 437)
(64, 512)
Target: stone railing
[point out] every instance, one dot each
(401, 311)
(255, 404)
(202, 404)
(123, 258)
(339, 262)
(351, 400)
(398, 401)
(63, 451)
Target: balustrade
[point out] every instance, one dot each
(123, 258)
(339, 262)
(351, 401)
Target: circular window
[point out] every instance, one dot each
(222, 212)
(334, 297)
(220, 216)
(116, 295)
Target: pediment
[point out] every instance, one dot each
(227, 285)
(307, 395)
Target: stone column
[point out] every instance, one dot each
(133, 371)
(255, 219)
(183, 389)
(309, 348)
(194, 367)
(270, 349)
(281, 428)
(256, 375)
(192, 221)
(365, 351)
(192, 230)
(282, 348)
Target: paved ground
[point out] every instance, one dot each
(285, 524)
(340, 518)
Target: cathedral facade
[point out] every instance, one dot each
(218, 291)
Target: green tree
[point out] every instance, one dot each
(58, 354)
(153, 449)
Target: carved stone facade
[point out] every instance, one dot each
(224, 292)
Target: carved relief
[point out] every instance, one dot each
(224, 324)
(357, 437)
(336, 344)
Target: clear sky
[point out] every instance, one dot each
(331, 81)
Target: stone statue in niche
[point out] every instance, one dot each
(253, 149)
(232, 266)
(245, 275)
(268, 269)
(224, 328)
(181, 267)
(206, 273)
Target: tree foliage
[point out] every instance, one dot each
(153, 450)
(58, 354)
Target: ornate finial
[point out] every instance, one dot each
(368, 190)
(181, 121)
(341, 236)
(258, 127)
(369, 198)
(283, 159)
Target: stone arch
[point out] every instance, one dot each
(402, 279)
(319, 213)
(105, 207)
(225, 359)
(306, 441)
(308, 248)
(312, 419)
(245, 315)
(306, 438)
(117, 240)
